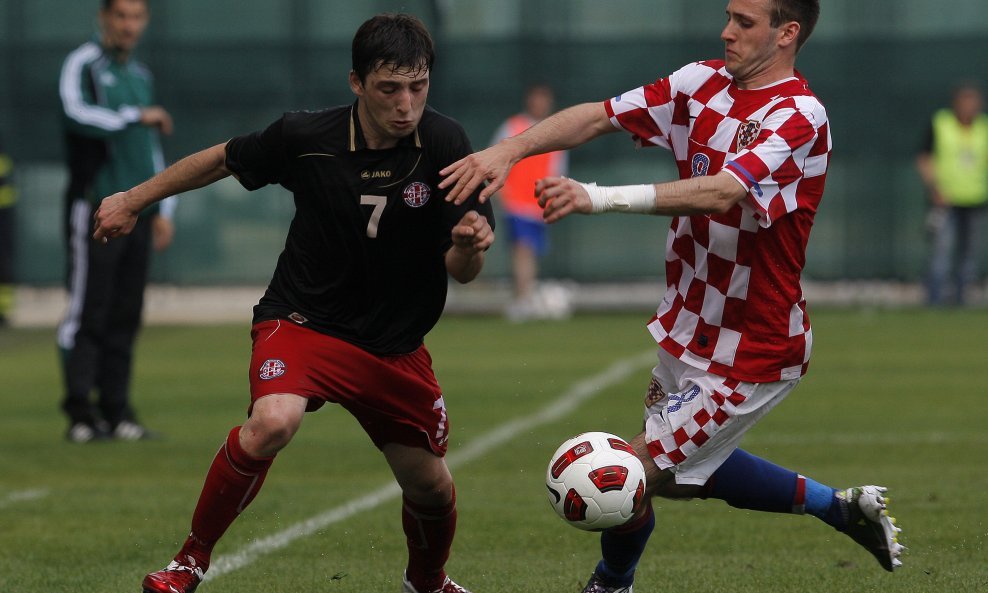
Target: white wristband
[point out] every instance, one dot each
(622, 198)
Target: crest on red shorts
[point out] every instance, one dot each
(417, 194)
(271, 369)
(747, 132)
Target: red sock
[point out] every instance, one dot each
(233, 480)
(429, 532)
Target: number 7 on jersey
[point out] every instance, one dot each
(378, 202)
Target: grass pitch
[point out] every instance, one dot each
(898, 398)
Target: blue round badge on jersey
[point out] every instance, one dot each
(700, 164)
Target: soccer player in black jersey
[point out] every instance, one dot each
(361, 280)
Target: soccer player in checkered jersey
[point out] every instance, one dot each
(752, 144)
(361, 280)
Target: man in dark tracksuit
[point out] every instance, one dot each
(112, 142)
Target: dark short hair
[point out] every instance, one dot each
(804, 12)
(397, 40)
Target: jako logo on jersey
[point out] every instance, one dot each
(365, 175)
(700, 164)
(271, 369)
(417, 194)
(678, 400)
(747, 132)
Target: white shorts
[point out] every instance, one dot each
(694, 420)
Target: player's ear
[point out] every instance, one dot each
(356, 85)
(788, 34)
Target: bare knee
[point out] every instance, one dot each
(432, 486)
(437, 491)
(423, 476)
(273, 422)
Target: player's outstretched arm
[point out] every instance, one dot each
(472, 236)
(117, 214)
(567, 129)
(560, 197)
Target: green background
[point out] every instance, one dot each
(225, 67)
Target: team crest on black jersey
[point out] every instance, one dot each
(747, 132)
(417, 194)
(271, 369)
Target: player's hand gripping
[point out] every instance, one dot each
(465, 175)
(114, 217)
(473, 234)
(560, 197)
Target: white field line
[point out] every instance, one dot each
(555, 410)
(23, 496)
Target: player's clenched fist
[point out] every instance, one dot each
(473, 233)
(113, 218)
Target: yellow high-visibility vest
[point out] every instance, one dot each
(960, 158)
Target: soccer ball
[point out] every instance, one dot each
(595, 480)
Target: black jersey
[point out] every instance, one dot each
(364, 256)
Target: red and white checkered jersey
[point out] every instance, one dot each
(734, 305)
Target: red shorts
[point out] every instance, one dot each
(396, 399)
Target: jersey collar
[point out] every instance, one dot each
(357, 141)
(793, 85)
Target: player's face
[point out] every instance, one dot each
(751, 43)
(390, 103)
(967, 105)
(539, 102)
(123, 23)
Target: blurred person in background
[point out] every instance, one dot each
(752, 144)
(8, 196)
(953, 165)
(112, 129)
(526, 229)
(362, 279)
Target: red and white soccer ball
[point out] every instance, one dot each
(595, 480)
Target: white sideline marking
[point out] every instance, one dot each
(23, 496)
(483, 444)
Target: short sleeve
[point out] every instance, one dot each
(657, 114)
(644, 112)
(259, 158)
